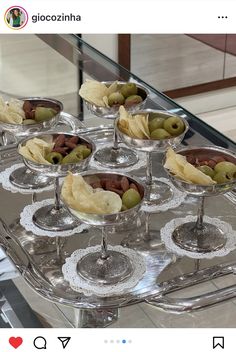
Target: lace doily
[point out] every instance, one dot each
(142, 161)
(167, 231)
(27, 222)
(81, 285)
(177, 199)
(7, 185)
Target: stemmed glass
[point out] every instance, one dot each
(116, 157)
(56, 217)
(106, 266)
(23, 177)
(201, 236)
(157, 192)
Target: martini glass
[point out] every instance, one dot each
(23, 177)
(200, 236)
(116, 157)
(157, 192)
(106, 266)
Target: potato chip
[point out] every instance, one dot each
(142, 122)
(80, 196)
(25, 152)
(135, 126)
(105, 100)
(2, 103)
(93, 92)
(112, 88)
(196, 176)
(182, 169)
(145, 122)
(175, 163)
(76, 195)
(14, 117)
(109, 202)
(16, 106)
(38, 148)
(11, 112)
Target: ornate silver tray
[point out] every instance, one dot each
(33, 256)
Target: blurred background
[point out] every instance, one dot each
(196, 70)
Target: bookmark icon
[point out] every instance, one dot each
(64, 341)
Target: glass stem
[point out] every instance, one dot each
(149, 169)
(34, 197)
(115, 138)
(4, 138)
(147, 236)
(57, 194)
(104, 252)
(199, 223)
(58, 247)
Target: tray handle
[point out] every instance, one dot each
(182, 305)
(11, 253)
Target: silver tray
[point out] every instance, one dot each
(165, 273)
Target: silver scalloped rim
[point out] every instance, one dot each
(142, 162)
(27, 222)
(8, 186)
(167, 230)
(176, 200)
(78, 284)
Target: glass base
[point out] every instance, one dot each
(27, 179)
(51, 219)
(95, 318)
(115, 268)
(121, 157)
(158, 193)
(207, 239)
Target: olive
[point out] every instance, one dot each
(54, 158)
(116, 98)
(44, 114)
(73, 157)
(83, 149)
(133, 99)
(29, 122)
(129, 89)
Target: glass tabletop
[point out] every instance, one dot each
(65, 61)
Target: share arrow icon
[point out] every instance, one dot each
(64, 341)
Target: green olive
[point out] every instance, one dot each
(83, 149)
(129, 89)
(44, 114)
(29, 122)
(73, 157)
(116, 99)
(54, 158)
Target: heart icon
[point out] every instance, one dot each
(15, 341)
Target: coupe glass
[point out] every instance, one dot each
(56, 217)
(201, 236)
(116, 157)
(157, 192)
(106, 266)
(23, 177)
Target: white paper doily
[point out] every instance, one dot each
(167, 230)
(142, 162)
(177, 199)
(7, 185)
(27, 222)
(78, 284)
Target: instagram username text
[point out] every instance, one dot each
(56, 18)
